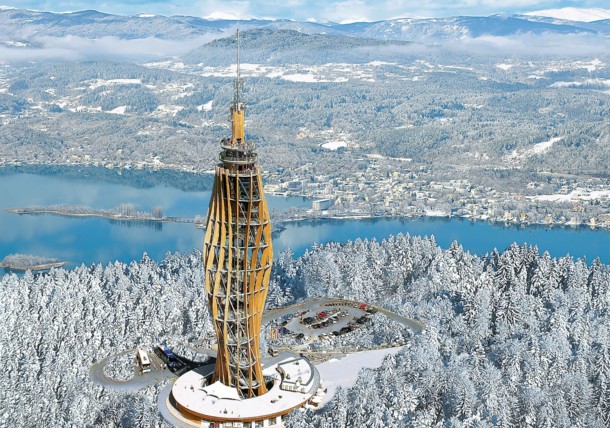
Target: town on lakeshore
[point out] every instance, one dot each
(393, 188)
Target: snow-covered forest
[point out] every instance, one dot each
(56, 325)
(512, 339)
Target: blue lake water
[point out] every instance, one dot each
(93, 240)
(475, 236)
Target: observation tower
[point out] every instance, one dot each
(239, 389)
(237, 256)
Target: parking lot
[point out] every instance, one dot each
(325, 319)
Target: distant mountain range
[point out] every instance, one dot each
(574, 14)
(21, 27)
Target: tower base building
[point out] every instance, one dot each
(196, 400)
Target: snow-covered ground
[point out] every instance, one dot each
(306, 78)
(376, 71)
(344, 372)
(540, 69)
(93, 84)
(573, 14)
(164, 109)
(16, 44)
(379, 63)
(436, 213)
(584, 82)
(335, 140)
(544, 146)
(378, 156)
(326, 73)
(206, 107)
(536, 149)
(334, 145)
(118, 110)
(574, 195)
(594, 65)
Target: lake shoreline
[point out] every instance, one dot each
(492, 222)
(144, 168)
(110, 237)
(115, 216)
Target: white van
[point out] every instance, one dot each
(143, 361)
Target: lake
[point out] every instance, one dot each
(93, 240)
(475, 236)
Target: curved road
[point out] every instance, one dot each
(136, 383)
(274, 313)
(210, 353)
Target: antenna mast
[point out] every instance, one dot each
(236, 97)
(238, 134)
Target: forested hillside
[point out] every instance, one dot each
(513, 339)
(278, 47)
(452, 112)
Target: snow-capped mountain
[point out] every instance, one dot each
(18, 23)
(27, 25)
(455, 27)
(21, 23)
(573, 14)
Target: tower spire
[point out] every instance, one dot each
(238, 134)
(238, 83)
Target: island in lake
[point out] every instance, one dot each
(25, 262)
(125, 212)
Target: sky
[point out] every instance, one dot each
(302, 10)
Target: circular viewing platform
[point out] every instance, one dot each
(196, 402)
(228, 144)
(238, 158)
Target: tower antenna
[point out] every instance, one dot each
(237, 95)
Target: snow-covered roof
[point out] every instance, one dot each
(222, 391)
(295, 372)
(218, 401)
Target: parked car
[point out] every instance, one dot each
(168, 357)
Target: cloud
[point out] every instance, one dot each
(545, 44)
(218, 9)
(75, 48)
(520, 45)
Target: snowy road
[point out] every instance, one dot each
(210, 353)
(372, 359)
(136, 383)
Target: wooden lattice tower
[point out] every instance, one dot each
(237, 256)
